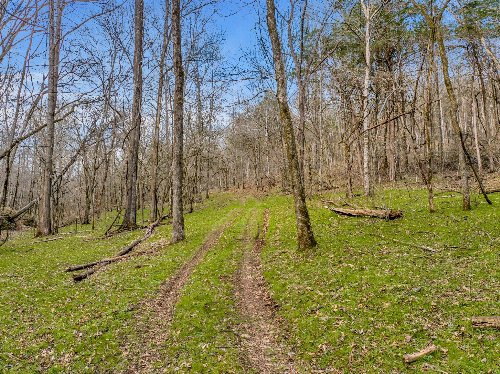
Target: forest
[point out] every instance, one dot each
(249, 186)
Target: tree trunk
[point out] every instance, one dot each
(130, 216)
(305, 236)
(156, 135)
(366, 110)
(45, 224)
(454, 119)
(428, 128)
(5, 188)
(178, 128)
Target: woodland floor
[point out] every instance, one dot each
(237, 296)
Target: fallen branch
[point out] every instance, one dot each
(135, 243)
(424, 247)
(85, 275)
(480, 322)
(409, 358)
(120, 256)
(342, 202)
(388, 214)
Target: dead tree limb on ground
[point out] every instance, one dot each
(409, 358)
(493, 322)
(94, 266)
(388, 214)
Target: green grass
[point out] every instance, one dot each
(359, 303)
(203, 337)
(48, 323)
(356, 303)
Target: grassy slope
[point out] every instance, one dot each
(46, 321)
(358, 303)
(202, 336)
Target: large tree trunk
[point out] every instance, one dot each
(178, 128)
(130, 216)
(45, 226)
(305, 234)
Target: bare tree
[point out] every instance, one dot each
(45, 224)
(159, 105)
(434, 22)
(130, 216)
(305, 236)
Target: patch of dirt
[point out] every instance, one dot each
(260, 333)
(153, 332)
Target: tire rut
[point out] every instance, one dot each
(261, 337)
(153, 333)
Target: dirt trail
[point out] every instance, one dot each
(261, 336)
(153, 331)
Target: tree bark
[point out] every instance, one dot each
(156, 135)
(305, 236)
(366, 110)
(178, 128)
(130, 216)
(45, 223)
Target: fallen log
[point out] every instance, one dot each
(120, 255)
(485, 322)
(409, 358)
(388, 214)
(8, 220)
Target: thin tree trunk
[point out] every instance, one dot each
(156, 135)
(434, 22)
(305, 236)
(366, 110)
(454, 120)
(130, 216)
(45, 222)
(5, 189)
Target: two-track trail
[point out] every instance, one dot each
(262, 342)
(262, 339)
(153, 331)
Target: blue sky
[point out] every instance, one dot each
(238, 21)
